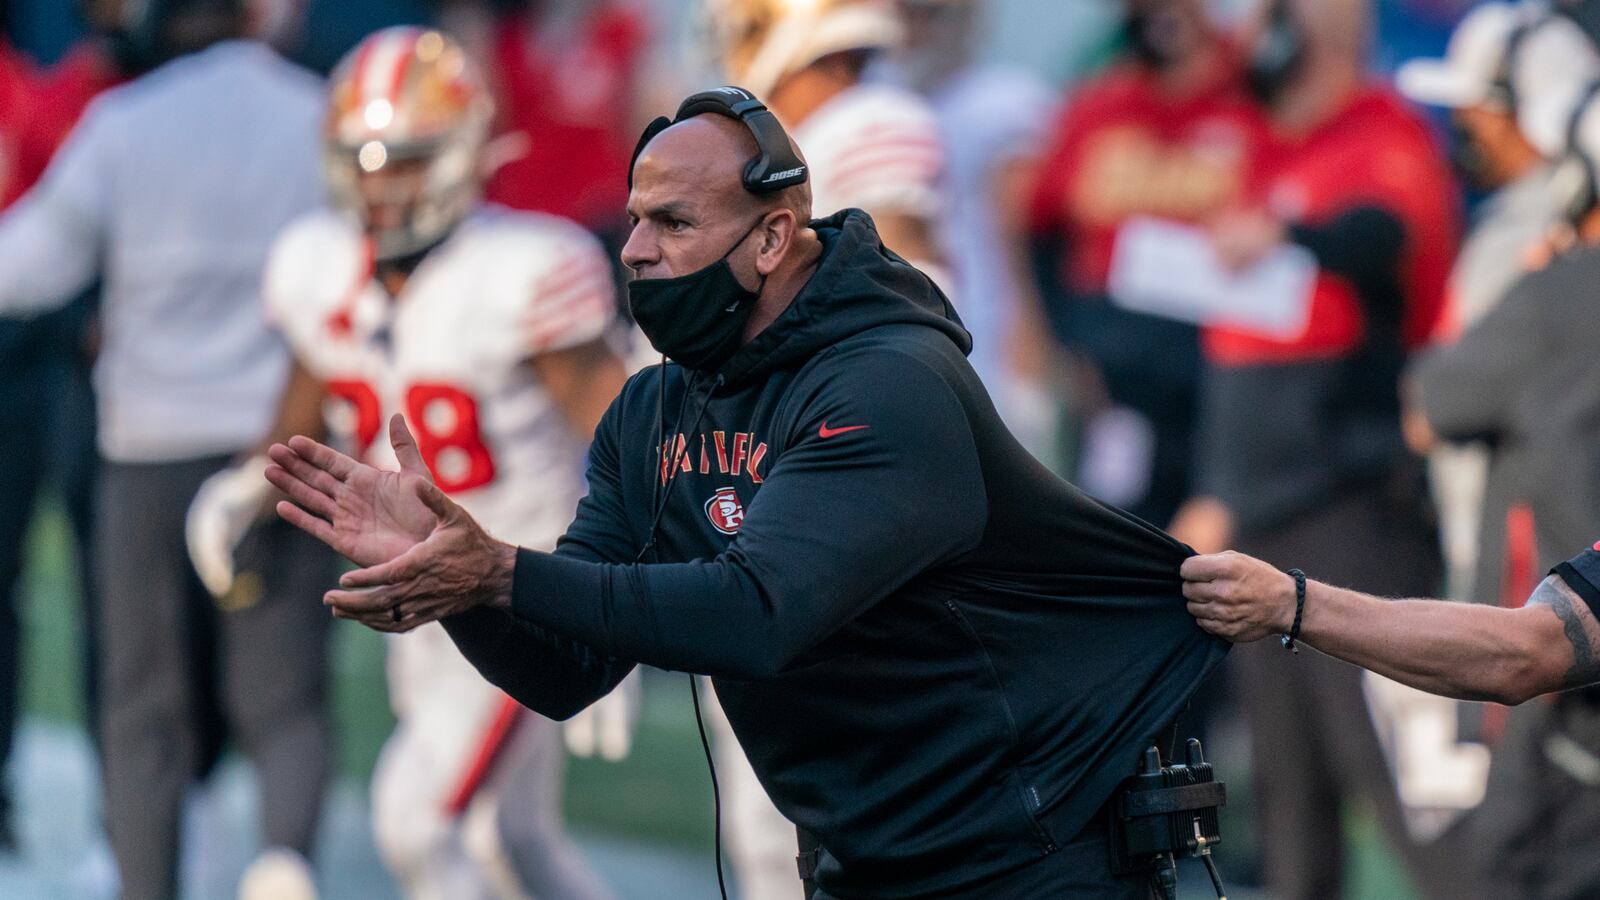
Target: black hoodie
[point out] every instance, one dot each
(939, 657)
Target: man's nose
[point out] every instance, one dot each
(641, 249)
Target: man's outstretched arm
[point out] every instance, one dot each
(783, 585)
(371, 516)
(1463, 650)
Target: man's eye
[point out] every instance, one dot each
(674, 225)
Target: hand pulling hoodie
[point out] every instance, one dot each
(939, 657)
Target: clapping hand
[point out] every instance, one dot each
(425, 557)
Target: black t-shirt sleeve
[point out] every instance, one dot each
(878, 483)
(1582, 574)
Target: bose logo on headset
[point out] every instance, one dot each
(774, 168)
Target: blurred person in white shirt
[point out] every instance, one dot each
(1436, 748)
(870, 145)
(170, 191)
(1487, 84)
(992, 121)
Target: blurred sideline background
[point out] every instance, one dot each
(645, 822)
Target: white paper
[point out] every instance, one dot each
(1169, 269)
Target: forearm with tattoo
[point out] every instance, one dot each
(1579, 627)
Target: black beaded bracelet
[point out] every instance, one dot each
(1290, 639)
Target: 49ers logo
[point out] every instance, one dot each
(725, 511)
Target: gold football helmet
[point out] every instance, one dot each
(759, 42)
(408, 118)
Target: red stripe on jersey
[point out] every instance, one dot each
(913, 141)
(869, 156)
(573, 292)
(340, 322)
(922, 170)
(576, 330)
(899, 126)
(899, 174)
(569, 274)
(555, 329)
(904, 153)
(490, 747)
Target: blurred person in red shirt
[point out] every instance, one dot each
(38, 107)
(1302, 461)
(16, 101)
(567, 79)
(1167, 132)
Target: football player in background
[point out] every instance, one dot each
(992, 135)
(488, 329)
(870, 145)
(1167, 132)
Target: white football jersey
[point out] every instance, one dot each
(872, 146)
(449, 353)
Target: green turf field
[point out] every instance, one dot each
(660, 793)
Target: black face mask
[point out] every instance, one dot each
(698, 318)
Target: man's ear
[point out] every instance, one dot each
(777, 235)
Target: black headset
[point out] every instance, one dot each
(776, 167)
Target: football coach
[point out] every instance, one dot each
(940, 659)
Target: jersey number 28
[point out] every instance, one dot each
(444, 419)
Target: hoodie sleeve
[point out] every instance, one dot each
(552, 674)
(879, 482)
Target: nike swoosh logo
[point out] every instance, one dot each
(825, 432)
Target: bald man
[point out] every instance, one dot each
(939, 658)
